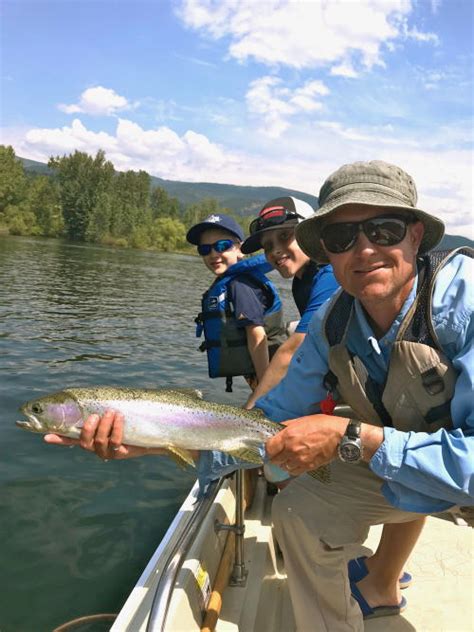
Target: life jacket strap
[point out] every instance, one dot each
(211, 344)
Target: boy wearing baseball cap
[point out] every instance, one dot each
(241, 316)
(274, 231)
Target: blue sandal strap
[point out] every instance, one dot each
(357, 569)
(380, 611)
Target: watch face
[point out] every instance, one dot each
(350, 452)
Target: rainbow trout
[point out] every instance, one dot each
(175, 419)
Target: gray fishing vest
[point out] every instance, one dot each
(420, 382)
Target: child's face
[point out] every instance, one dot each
(283, 253)
(219, 262)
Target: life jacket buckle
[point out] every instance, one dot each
(199, 325)
(432, 382)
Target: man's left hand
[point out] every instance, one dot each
(306, 443)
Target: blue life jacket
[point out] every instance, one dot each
(225, 343)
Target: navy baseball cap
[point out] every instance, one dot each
(217, 220)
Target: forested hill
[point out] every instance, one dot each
(243, 200)
(83, 198)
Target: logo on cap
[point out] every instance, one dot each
(213, 218)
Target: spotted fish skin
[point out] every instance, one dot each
(176, 419)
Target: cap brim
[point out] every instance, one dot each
(254, 243)
(193, 235)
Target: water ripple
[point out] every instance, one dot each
(81, 315)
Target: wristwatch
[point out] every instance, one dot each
(350, 449)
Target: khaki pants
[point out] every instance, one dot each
(314, 523)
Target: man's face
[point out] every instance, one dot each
(282, 251)
(374, 273)
(219, 262)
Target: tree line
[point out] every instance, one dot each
(86, 200)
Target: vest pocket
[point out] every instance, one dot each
(419, 387)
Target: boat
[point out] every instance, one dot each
(219, 568)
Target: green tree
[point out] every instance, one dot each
(141, 237)
(82, 179)
(195, 213)
(44, 202)
(168, 234)
(21, 220)
(163, 205)
(131, 209)
(100, 219)
(12, 180)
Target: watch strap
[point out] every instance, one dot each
(353, 429)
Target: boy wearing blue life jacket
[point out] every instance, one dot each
(241, 316)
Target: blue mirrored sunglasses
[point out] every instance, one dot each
(221, 245)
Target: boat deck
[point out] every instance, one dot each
(440, 599)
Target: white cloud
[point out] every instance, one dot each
(66, 139)
(418, 36)
(442, 171)
(268, 98)
(98, 101)
(160, 151)
(344, 69)
(307, 34)
(196, 60)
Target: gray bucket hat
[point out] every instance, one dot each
(374, 183)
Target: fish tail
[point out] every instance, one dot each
(321, 474)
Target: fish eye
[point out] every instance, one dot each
(37, 408)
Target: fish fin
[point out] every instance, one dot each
(322, 474)
(193, 393)
(181, 457)
(250, 454)
(258, 412)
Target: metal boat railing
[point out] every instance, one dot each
(169, 575)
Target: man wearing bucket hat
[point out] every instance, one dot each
(314, 283)
(274, 231)
(395, 343)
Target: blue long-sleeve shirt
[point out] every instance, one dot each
(421, 472)
(316, 286)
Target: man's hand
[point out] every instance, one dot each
(103, 435)
(306, 443)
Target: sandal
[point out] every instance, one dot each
(380, 611)
(358, 570)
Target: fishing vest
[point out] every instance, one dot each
(419, 386)
(225, 343)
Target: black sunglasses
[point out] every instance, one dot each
(384, 230)
(221, 245)
(271, 217)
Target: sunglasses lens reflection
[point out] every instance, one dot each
(219, 246)
(382, 231)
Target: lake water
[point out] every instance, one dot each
(75, 533)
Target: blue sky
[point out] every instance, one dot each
(254, 92)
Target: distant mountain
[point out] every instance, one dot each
(240, 199)
(33, 166)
